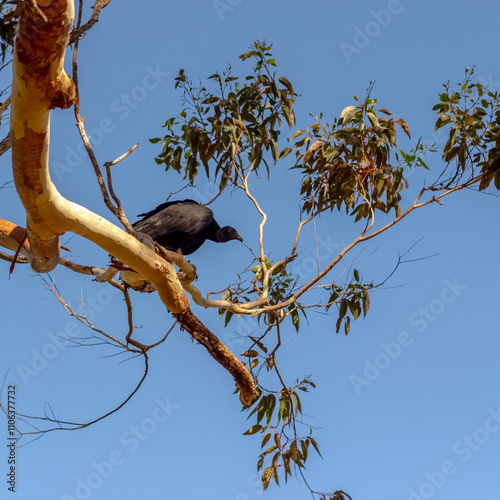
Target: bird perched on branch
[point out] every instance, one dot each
(183, 226)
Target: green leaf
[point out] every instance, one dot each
(451, 141)
(296, 401)
(286, 84)
(283, 411)
(270, 449)
(366, 302)
(229, 315)
(275, 151)
(271, 404)
(295, 453)
(277, 439)
(286, 463)
(402, 123)
(422, 163)
(265, 439)
(253, 430)
(267, 475)
(250, 353)
(347, 325)
(256, 269)
(295, 318)
(347, 114)
(338, 324)
(443, 120)
(297, 133)
(343, 308)
(313, 442)
(478, 113)
(373, 119)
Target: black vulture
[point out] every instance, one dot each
(183, 226)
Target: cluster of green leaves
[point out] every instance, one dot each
(7, 27)
(348, 164)
(233, 126)
(281, 285)
(354, 298)
(473, 114)
(277, 415)
(280, 282)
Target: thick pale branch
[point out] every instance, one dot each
(13, 237)
(39, 85)
(245, 308)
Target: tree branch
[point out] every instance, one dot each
(39, 85)
(80, 32)
(220, 353)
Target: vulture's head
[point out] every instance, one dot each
(227, 233)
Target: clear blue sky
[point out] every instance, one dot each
(424, 424)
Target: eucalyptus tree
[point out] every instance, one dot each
(233, 130)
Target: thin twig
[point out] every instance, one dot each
(72, 426)
(117, 211)
(6, 144)
(79, 31)
(119, 207)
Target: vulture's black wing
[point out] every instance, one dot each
(185, 216)
(177, 224)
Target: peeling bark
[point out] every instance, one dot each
(220, 353)
(13, 236)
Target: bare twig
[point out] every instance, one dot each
(83, 319)
(61, 425)
(119, 207)
(117, 211)
(3, 107)
(79, 31)
(6, 144)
